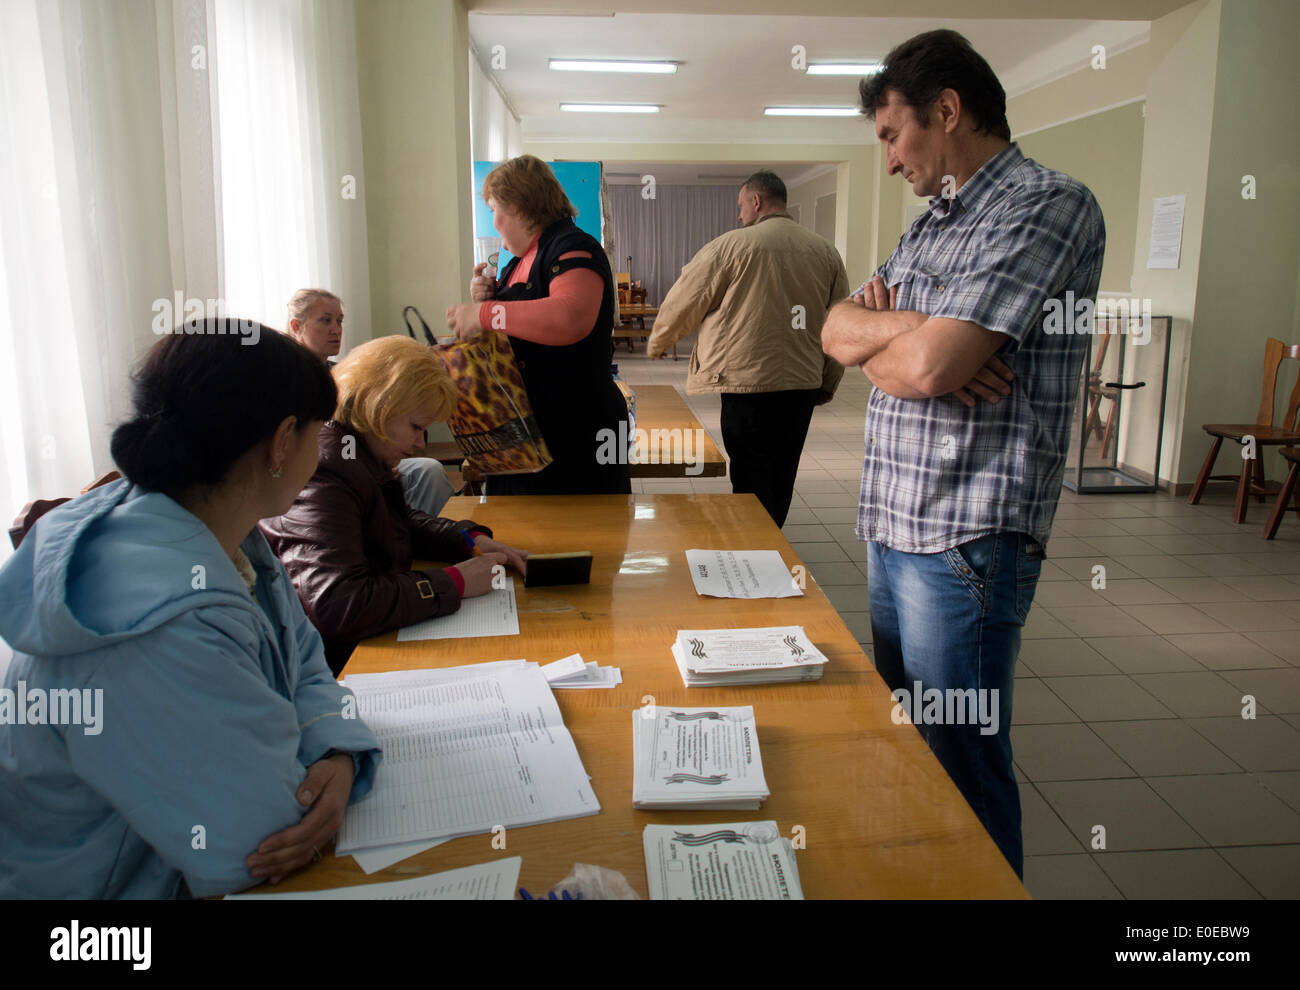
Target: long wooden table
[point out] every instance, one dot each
(636, 311)
(879, 816)
(658, 407)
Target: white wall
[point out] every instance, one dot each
(495, 133)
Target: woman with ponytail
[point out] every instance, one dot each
(210, 747)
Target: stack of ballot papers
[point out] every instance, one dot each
(485, 882)
(746, 656)
(466, 749)
(691, 759)
(742, 861)
(574, 672)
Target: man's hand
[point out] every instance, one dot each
(874, 295)
(481, 287)
(991, 383)
(326, 790)
(462, 320)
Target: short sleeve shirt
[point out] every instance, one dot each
(937, 474)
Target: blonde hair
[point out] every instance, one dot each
(302, 301)
(527, 186)
(388, 377)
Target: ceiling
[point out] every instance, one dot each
(730, 173)
(1122, 10)
(734, 65)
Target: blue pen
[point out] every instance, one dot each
(524, 895)
(469, 543)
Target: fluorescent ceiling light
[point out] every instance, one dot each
(811, 111)
(610, 107)
(844, 68)
(599, 65)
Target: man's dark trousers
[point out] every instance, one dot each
(764, 433)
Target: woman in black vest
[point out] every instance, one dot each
(555, 300)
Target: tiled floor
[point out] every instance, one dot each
(1129, 698)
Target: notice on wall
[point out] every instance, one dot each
(1166, 232)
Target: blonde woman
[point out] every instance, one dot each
(316, 322)
(349, 539)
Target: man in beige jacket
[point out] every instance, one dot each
(759, 295)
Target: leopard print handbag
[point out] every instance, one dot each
(494, 423)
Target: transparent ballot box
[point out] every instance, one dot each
(1116, 432)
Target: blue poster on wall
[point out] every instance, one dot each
(581, 183)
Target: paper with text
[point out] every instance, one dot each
(465, 756)
(493, 614)
(495, 881)
(740, 861)
(741, 574)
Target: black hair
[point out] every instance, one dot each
(768, 185)
(923, 67)
(208, 392)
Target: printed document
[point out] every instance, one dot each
(741, 861)
(741, 574)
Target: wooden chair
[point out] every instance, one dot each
(1097, 392)
(33, 511)
(1263, 430)
(1289, 488)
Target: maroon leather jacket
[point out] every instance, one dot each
(348, 542)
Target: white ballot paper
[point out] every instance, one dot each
(493, 614)
(464, 754)
(495, 881)
(574, 672)
(430, 675)
(746, 656)
(742, 861)
(382, 857)
(741, 574)
(696, 758)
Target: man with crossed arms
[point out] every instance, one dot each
(969, 418)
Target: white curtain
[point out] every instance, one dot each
(292, 182)
(152, 148)
(663, 233)
(84, 236)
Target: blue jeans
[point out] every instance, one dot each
(425, 484)
(951, 621)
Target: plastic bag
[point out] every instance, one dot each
(595, 883)
(493, 424)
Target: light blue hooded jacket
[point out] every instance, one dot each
(213, 704)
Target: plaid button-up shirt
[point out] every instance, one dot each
(936, 473)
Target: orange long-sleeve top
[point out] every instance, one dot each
(565, 316)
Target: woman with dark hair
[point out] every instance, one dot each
(555, 300)
(350, 539)
(182, 732)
